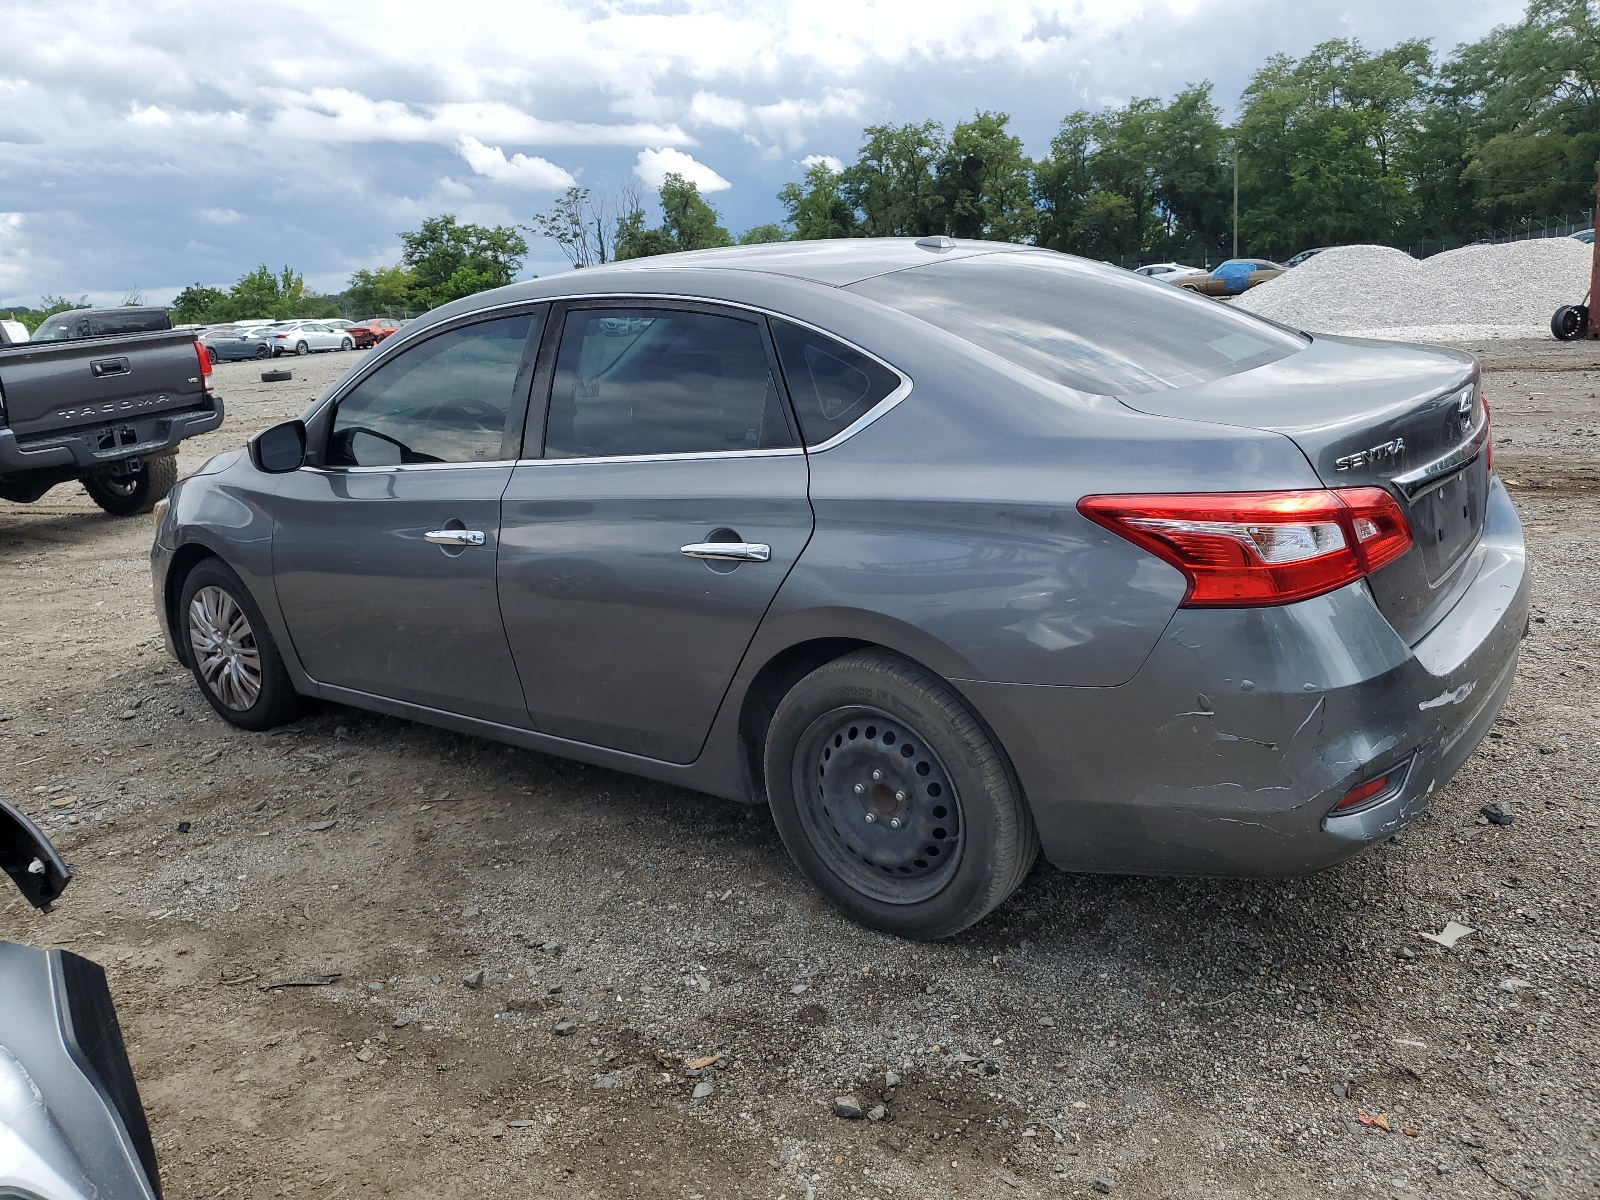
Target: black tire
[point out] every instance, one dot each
(347, 344)
(263, 352)
(276, 376)
(301, 349)
(274, 701)
(136, 490)
(1571, 322)
(964, 839)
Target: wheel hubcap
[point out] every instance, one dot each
(225, 648)
(879, 806)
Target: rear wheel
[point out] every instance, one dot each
(302, 349)
(232, 654)
(263, 352)
(893, 800)
(1571, 321)
(347, 344)
(134, 487)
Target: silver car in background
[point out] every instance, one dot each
(947, 551)
(306, 337)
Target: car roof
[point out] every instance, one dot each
(837, 262)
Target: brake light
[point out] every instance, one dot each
(1260, 548)
(204, 355)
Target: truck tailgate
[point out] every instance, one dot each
(51, 387)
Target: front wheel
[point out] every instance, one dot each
(231, 652)
(135, 487)
(893, 800)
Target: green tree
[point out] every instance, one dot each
(199, 305)
(984, 182)
(445, 256)
(892, 183)
(818, 209)
(260, 293)
(760, 235)
(688, 223)
(49, 306)
(386, 291)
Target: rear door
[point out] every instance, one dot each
(384, 547)
(51, 386)
(648, 530)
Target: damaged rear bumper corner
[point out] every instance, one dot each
(1245, 727)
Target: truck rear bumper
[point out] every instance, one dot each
(81, 451)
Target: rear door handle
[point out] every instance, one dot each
(454, 537)
(727, 551)
(100, 368)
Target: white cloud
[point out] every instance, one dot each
(655, 165)
(827, 160)
(151, 115)
(220, 216)
(536, 174)
(708, 108)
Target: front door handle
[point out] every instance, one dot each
(454, 537)
(727, 551)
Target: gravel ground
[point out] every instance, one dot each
(1500, 291)
(554, 980)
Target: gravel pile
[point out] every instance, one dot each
(1501, 291)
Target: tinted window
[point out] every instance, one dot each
(57, 329)
(831, 384)
(445, 400)
(111, 322)
(662, 381)
(1089, 327)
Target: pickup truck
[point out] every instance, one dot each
(105, 408)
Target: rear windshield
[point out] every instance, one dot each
(1088, 326)
(109, 322)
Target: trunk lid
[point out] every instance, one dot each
(1406, 418)
(55, 387)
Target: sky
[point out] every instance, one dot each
(152, 145)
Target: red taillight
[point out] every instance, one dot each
(204, 354)
(1255, 548)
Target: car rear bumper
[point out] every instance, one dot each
(1227, 750)
(83, 450)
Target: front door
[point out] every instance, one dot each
(384, 548)
(640, 551)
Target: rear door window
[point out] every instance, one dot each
(649, 381)
(450, 399)
(832, 385)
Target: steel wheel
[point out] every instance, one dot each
(123, 486)
(225, 651)
(880, 809)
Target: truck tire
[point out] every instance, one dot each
(136, 491)
(1570, 322)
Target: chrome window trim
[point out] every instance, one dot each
(437, 466)
(392, 346)
(687, 456)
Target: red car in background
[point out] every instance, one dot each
(370, 333)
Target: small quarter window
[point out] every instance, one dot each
(633, 381)
(447, 400)
(832, 385)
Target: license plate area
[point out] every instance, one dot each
(1446, 522)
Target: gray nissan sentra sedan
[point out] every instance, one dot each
(948, 551)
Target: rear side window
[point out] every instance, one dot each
(447, 400)
(62, 328)
(832, 385)
(632, 381)
(113, 322)
(1090, 327)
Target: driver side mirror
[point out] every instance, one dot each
(281, 449)
(28, 857)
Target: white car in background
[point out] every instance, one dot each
(302, 337)
(1167, 272)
